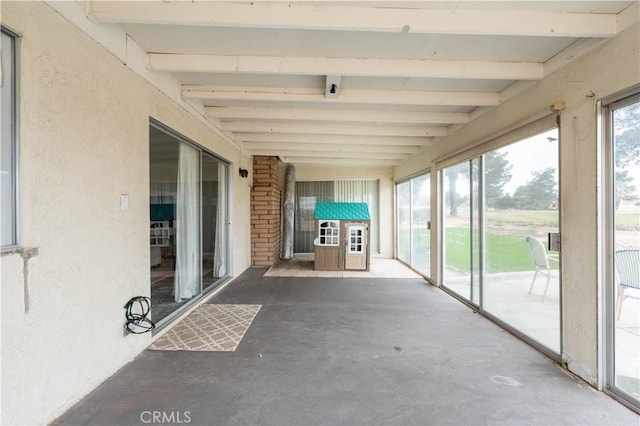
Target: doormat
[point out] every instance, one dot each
(209, 328)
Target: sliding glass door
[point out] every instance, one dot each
(188, 218)
(461, 251)
(521, 279)
(623, 286)
(500, 225)
(413, 233)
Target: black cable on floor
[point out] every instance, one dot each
(137, 309)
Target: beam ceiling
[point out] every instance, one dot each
(406, 74)
(335, 17)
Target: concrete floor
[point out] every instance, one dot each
(351, 351)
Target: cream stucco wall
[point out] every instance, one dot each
(386, 187)
(83, 140)
(612, 67)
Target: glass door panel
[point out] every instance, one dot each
(413, 203)
(174, 169)
(626, 247)
(461, 243)
(421, 216)
(403, 197)
(521, 284)
(214, 219)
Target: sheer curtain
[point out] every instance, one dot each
(187, 277)
(220, 256)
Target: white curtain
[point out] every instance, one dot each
(187, 276)
(220, 250)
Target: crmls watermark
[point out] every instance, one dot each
(164, 417)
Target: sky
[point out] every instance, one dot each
(532, 154)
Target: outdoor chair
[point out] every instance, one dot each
(627, 263)
(540, 260)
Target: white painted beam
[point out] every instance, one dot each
(342, 148)
(332, 139)
(332, 129)
(290, 15)
(325, 154)
(354, 116)
(629, 17)
(355, 67)
(339, 162)
(571, 53)
(347, 96)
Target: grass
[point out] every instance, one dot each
(503, 253)
(505, 247)
(525, 218)
(627, 221)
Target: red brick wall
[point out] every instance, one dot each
(265, 212)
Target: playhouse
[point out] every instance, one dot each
(342, 239)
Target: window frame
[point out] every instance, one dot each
(606, 244)
(15, 84)
(333, 225)
(359, 242)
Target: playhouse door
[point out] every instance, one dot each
(355, 257)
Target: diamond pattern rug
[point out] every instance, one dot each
(209, 328)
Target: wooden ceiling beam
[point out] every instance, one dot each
(356, 18)
(333, 139)
(332, 129)
(346, 67)
(221, 94)
(335, 115)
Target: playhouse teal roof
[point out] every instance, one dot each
(342, 211)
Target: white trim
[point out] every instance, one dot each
(333, 225)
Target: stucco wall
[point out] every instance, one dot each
(612, 67)
(84, 141)
(385, 176)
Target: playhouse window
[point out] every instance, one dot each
(356, 239)
(329, 233)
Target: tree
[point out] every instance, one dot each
(497, 173)
(539, 193)
(627, 148)
(452, 174)
(626, 154)
(625, 189)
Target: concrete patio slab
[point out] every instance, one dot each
(354, 351)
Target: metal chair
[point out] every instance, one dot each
(540, 260)
(627, 262)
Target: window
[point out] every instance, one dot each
(413, 212)
(356, 239)
(8, 157)
(188, 221)
(499, 218)
(622, 239)
(329, 233)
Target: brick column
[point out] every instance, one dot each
(265, 212)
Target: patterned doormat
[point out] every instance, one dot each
(209, 328)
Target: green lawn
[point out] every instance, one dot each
(504, 253)
(525, 218)
(627, 221)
